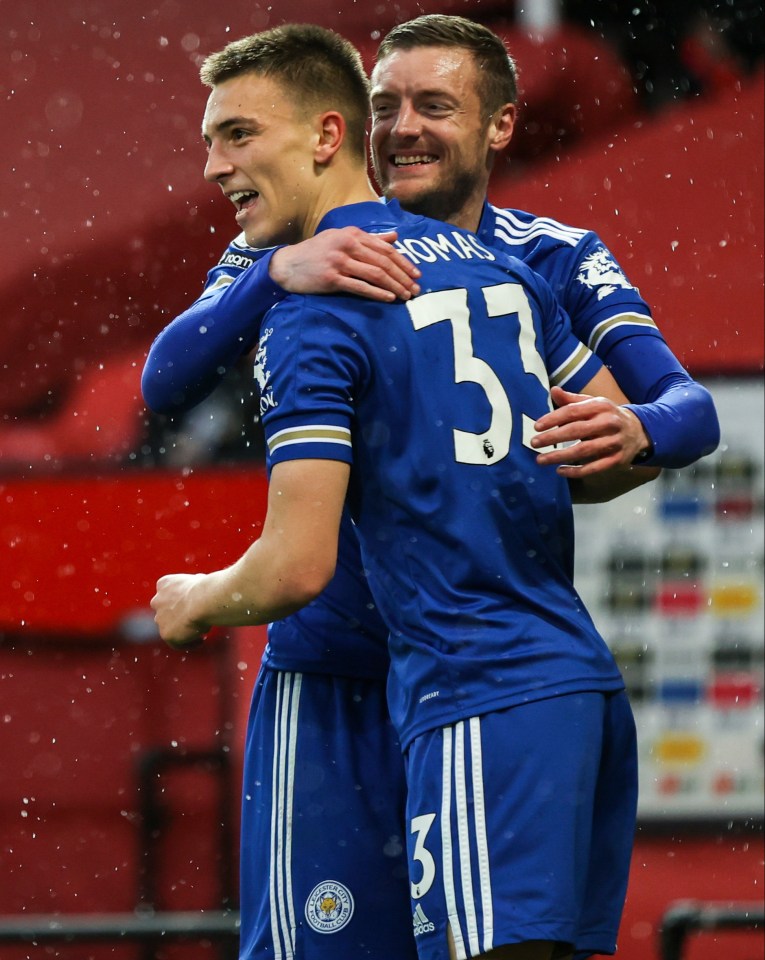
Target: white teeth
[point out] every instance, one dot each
(240, 195)
(408, 161)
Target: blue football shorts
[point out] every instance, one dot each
(521, 826)
(323, 850)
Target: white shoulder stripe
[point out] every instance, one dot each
(515, 231)
(222, 281)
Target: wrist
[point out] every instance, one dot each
(643, 444)
(200, 602)
(278, 267)
(642, 456)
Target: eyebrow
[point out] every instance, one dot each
(231, 122)
(431, 92)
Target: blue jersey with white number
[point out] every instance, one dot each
(467, 540)
(341, 633)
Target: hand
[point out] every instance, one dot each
(348, 260)
(609, 436)
(172, 605)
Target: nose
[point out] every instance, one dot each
(408, 122)
(217, 167)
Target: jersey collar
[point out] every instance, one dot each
(374, 217)
(487, 224)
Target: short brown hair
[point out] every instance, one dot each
(317, 67)
(498, 75)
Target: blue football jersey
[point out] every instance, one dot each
(341, 633)
(586, 279)
(467, 540)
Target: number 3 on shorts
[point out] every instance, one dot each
(420, 826)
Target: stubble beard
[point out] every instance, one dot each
(441, 202)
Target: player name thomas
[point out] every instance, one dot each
(454, 246)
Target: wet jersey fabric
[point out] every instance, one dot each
(609, 315)
(468, 542)
(189, 358)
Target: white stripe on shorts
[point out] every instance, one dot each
(455, 769)
(482, 843)
(282, 791)
(446, 845)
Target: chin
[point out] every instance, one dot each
(258, 237)
(425, 202)
(411, 191)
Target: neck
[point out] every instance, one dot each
(469, 217)
(338, 188)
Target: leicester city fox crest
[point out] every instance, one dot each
(329, 907)
(600, 270)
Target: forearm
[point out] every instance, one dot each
(291, 563)
(254, 590)
(682, 425)
(192, 354)
(242, 595)
(610, 484)
(677, 413)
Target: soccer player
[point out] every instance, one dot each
(269, 129)
(438, 82)
(187, 361)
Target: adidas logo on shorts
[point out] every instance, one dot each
(421, 922)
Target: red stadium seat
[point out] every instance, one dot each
(102, 419)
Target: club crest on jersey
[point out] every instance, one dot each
(262, 374)
(600, 270)
(329, 907)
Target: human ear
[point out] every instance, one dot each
(331, 127)
(501, 127)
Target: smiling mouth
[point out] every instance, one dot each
(406, 160)
(243, 198)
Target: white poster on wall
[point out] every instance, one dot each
(673, 577)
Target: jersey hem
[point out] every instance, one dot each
(458, 714)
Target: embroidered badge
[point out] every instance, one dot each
(600, 270)
(329, 907)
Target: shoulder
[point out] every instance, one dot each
(240, 255)
(564, 254)
(518, 228)
(236, 259)
(322, 310)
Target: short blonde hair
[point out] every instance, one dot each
(316, 67)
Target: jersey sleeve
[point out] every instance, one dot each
(677, 413)
(603, 304)
(192, 354)
(306, 367)
(570, 364)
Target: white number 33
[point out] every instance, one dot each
(493, 444)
